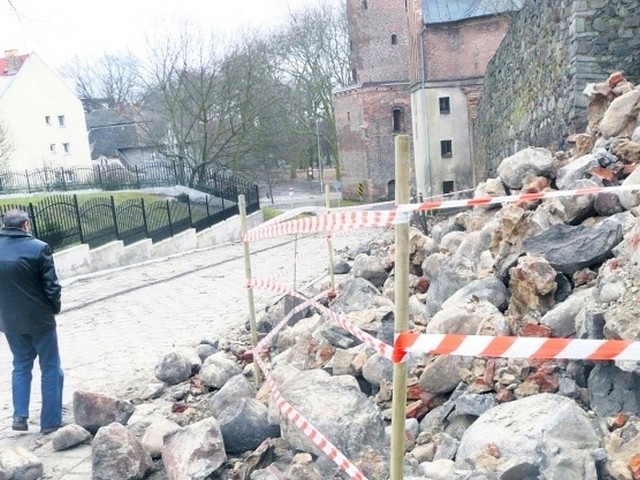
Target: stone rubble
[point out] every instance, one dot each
(567, 268)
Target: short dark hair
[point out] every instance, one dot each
(14, 218)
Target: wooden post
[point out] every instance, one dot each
(401, 270)
(327, 201)
(247, 270)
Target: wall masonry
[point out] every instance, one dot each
(533, 86)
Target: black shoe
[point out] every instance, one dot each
(20, 424)
(48, 430)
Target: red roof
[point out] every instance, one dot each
(3, 64)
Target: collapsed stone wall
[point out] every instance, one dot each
(533, 87)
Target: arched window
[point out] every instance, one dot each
(394, 39)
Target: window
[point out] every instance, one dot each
(446, 150)
(364, 4)
(65, 148)
(52, 148)
(394, 39)
(47, 120)
(447, 187)
(61, 120)
(354, 75)
(445, 106)
(398, 119)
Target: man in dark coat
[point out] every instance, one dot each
(29, 299)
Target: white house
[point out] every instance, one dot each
(41, 116)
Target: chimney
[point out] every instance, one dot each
(13, 61)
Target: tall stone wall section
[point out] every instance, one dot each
(533, 86)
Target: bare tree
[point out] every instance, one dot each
(113, 79)
(313, 51)
(198, 97)
(272, 145)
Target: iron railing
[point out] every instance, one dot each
(115, 177)
(63, 220)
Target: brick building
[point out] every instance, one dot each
(452, 42)
(417, 67)
(376, 107)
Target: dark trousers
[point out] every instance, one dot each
(25, 348)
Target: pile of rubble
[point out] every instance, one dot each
(561, 267)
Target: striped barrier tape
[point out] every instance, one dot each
(329, 222)
(366, 338)
(263, 344)
(314, 210)
(410, 342)
(514, 347)
(291, 413)
(353, 218)
(405, 210)
(311, 432)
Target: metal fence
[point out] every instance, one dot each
(64, 220)
(116, 177)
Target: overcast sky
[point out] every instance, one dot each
(58, 30)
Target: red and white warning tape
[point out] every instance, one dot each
(309, 430)
(410, 342)
(515, 347)
(291, 413)
(353, 218)
(404, 210)
(330, 222)
(366, 338)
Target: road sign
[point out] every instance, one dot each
(360, 189)
(336, 185)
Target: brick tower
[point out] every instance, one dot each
(376, 106)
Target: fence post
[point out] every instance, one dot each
(206, 198)
(247, 271)
(34, 226)
(169, 218)
(26, 172)
(137, 177)
(144, 219)
(175, 173)
(75, 202)
(115, 217)
(401, 296)
(64, 183)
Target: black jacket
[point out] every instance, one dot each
(29, 288)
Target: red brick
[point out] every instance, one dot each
(634, 467)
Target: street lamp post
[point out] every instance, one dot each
(319, 157)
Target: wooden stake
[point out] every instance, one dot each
(327, 190)
(401, 273)
(247, 271)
